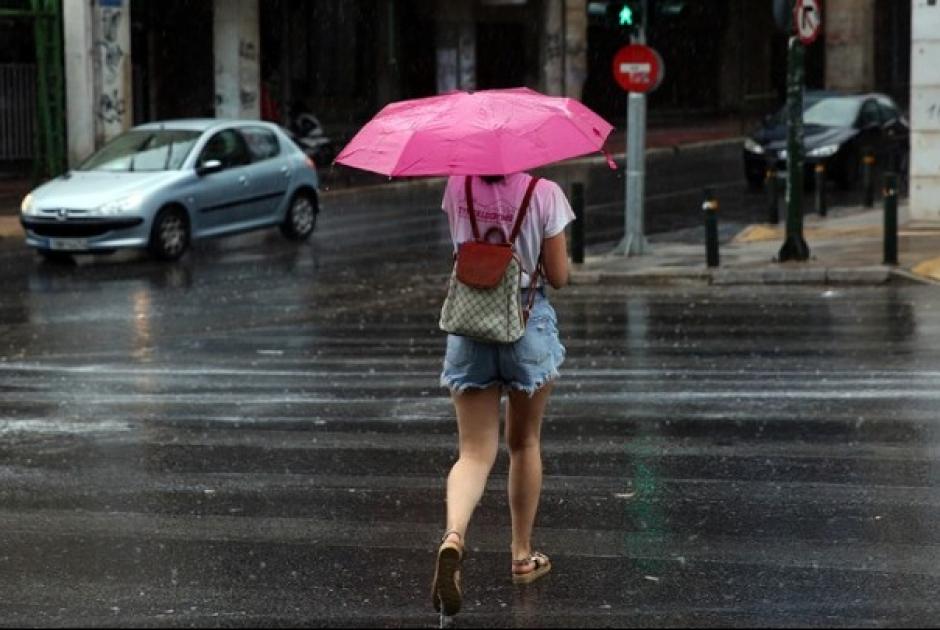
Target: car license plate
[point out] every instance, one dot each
(68, 244)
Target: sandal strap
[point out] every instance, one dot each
(455, 533)
(538, 559)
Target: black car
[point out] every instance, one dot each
(839, 130)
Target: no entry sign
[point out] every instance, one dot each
(807, 18)
(638, 68)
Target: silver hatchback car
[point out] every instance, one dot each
(162, 185)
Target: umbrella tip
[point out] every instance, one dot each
(610, 161)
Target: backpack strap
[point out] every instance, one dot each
(468, 188)
(520, 216)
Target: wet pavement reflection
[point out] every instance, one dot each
(255, 436)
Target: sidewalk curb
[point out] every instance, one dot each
(875, 275)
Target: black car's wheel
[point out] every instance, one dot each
(56, 257)
(169, 236)
(301, 218)
(850, 171)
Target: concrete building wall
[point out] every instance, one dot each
(237, 55)
(925, 112)
(850, 44)
(553, 48)
(576, 25)
(98, 93)
(78, 18)
(113, 111)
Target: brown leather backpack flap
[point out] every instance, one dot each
(482, 265)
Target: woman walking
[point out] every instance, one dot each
(477, 373)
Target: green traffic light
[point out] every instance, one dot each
(626, 16)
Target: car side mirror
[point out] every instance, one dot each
(208, 167)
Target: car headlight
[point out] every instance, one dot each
(121, 206)
(824, 151)
(751, 146)
(28, 206)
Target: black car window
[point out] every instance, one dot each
(869, 115)
(262, 143)
(228, 147)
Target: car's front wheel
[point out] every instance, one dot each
(301, 218)
(169, 236)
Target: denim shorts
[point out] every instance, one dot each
(526, 365)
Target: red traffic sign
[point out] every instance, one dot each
(638, 68)
(807, 19)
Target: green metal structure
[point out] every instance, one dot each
(46, 16)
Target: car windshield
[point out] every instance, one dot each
(827, 112)
(143, 150)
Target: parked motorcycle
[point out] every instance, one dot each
(308, 133)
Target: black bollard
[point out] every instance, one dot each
(577, 228)
(820, 172)
(868, 179)
(710, 207)
(891, 219)
(773, 213)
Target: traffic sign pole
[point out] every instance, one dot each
(794, 246)
(634, 237)
(638, 69)
(807, 21)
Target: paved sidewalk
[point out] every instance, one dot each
(845, 248)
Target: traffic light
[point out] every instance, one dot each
(628, 16)
(625, 16)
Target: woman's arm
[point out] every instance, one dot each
(555, 260)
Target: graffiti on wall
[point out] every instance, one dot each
(111, 52)
(112, 100)
(111, 108)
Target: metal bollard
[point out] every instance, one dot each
(820, 172)
(891, 219)
(577, 228)
(773, 213)
(710, 207)
(868, 179)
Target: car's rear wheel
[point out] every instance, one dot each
(301, 218)
(169, 236)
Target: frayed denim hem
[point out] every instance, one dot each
(539, 384)
(456, 388)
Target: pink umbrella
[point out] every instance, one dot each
(490, 132)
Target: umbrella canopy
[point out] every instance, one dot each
(490, 132)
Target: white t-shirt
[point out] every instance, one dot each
(496, 206)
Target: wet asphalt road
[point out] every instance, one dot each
(255, 436)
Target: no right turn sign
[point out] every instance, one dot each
(807, 19)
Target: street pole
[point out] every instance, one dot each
(634, 240)
(794, 246)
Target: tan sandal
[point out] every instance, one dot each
(445, 590)
(542, 566)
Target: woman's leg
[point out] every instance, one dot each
(523, 438)
(478, 422)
